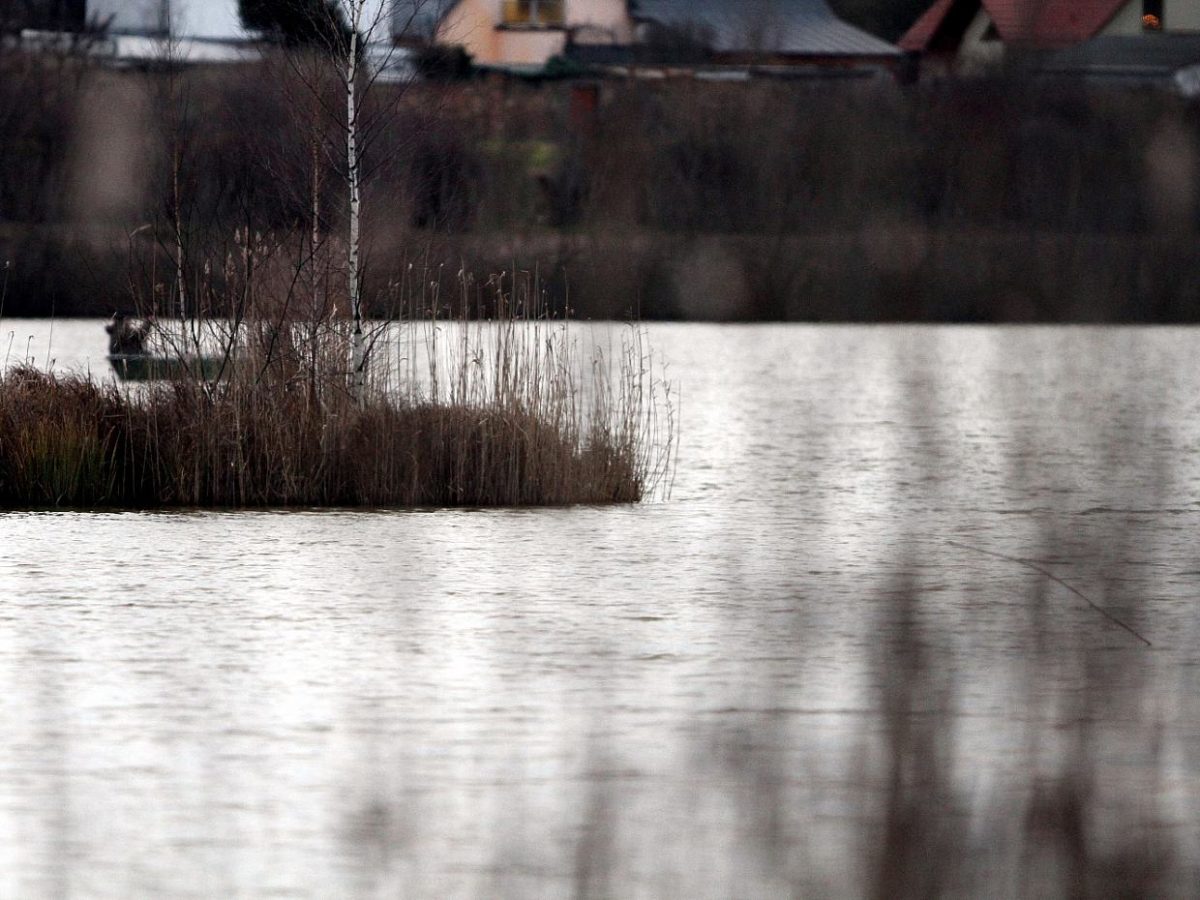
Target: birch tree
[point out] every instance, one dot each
(368, 21)
(358, 353)
(340, 31)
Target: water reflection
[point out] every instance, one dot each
(789, 681)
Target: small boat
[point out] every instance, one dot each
(149, 367)
(132, 360)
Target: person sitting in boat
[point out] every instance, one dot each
(126, 337)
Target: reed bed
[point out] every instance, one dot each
(514, 411)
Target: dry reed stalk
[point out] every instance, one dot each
(508, 412)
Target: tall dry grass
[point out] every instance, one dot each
(517, 410)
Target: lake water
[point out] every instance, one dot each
(800, 676)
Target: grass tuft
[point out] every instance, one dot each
(503, 414)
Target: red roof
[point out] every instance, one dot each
(1043, 23)
(920, 36)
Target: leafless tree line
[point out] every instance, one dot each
(813, 200)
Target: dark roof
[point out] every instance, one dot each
(1039, 23)
(785, 27)
(1160, 55)
(922, 33)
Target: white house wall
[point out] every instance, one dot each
(473, 24)
(529, 48)
(140, 16)
(608, 17)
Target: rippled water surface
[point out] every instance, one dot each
(733, 693)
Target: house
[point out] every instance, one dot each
(518, 35)
(1094, 38)
(151, 34)
(129, 35)
(206, 19)
(524, 35)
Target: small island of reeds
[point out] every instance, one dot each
(459, 412)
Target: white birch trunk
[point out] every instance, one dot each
(314, 270)
(177, 200)
(187, 315)
(358, 361)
